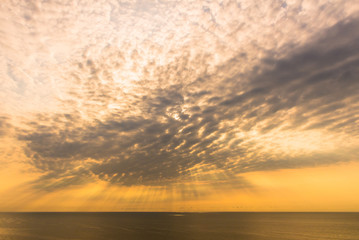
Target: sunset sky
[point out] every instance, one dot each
(154, 105)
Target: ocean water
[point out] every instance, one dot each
(181, 226)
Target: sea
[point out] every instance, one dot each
(179, 226)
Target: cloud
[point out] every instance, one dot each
(152, 93)
(4, 125)
(234, 121)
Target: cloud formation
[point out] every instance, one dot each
(157, 94)
(177, 127)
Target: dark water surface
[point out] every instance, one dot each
(196, 226)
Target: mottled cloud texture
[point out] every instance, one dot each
(155, 92)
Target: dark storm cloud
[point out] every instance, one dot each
(181, 125)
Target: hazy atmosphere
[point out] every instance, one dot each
(156, 105)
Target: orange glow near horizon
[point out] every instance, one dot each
(327, 188)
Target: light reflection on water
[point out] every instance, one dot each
(134, 226)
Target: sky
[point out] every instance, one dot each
(155, 105)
